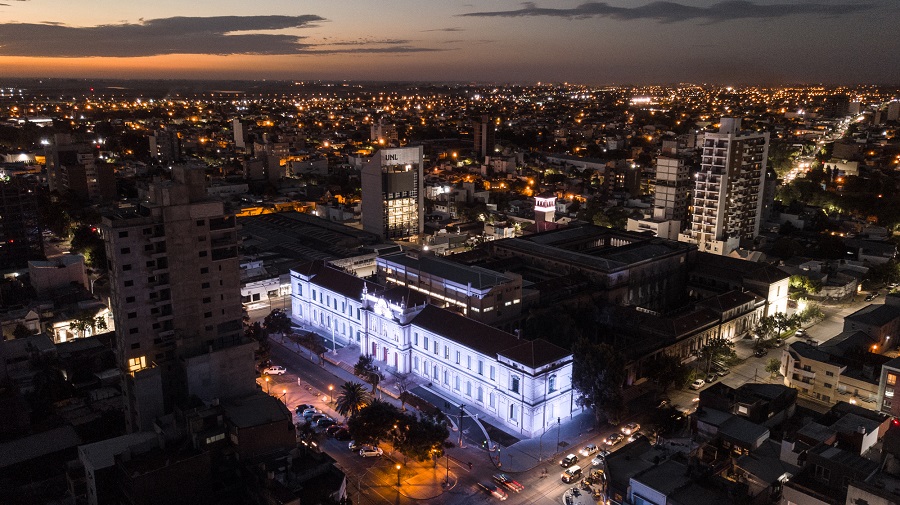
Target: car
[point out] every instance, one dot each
(613, 439)
(353, 446)
(698, 383)
(275, 370)
(588, 450)
(722, 372)
(630, 428)
(759, 353)
(331, 430)
(507, 482)
(369, 451)
(493, 490)
(600, 458)
(778, 342)
(801, 333)
(325, 423)
(568, 461)
(315, 418)
(710, 378)
(303, 406)
(310, 412)
(342, 434)
(571, 474)
(636, 436)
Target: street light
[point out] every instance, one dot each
(330, 394)
(267, 385)
(398, 474)
(283, 394)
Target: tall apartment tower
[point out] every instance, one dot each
(393, 196)
(20, 231)
(175, 297)
(165, 146)
(74, 167)
(673, 187)
(240, 135)
(728, 191)
(485, 137)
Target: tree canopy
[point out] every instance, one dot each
(598, 374)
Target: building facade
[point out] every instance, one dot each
(524, 385)
(728, 190)
(393, 196)
(20, 230)
(76, 169)
(175, 295)
(485, 137)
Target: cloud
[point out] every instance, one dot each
(670, 12)
(176, 35)
(451, 29)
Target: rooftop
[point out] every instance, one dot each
(477, 277)
(255, 409)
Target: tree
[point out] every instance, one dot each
(421, 439)
(365, 368)
(773, 367)
(403, 381)
(21, 331)
(257, 333)
(312, 342)
(598, 374)
(667, 370)
(277, 322)
(86, 240)
(715, 348)
(352, 399)
(765, 328)
(86, 320)
(373, 423)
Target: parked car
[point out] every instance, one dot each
(614, 439)
(303, 406)
(342, 434)
(710, 378)
(801, 333)
(871, 297)
(568, 461)
(369, 451)
(313, 419)
(698, 383)
(310, 412)
(630, 428)
(508, 483)
(353, 446)
(325, 423)
(493, 490)
(759, 353)
(275, 370)
(722, 372)
(331, 430)
(588, 450)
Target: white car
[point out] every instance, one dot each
(697, 384)
(368, 450)
(275, 370)
(630, 428)
(588, 450)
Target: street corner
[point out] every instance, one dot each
(583, 495)
(427, 484)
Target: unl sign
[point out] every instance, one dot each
(391, 157)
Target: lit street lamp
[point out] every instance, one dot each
(398, 474)
(267, 385)
(283, 394)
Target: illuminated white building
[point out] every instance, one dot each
(524, 385)
(728, 191)
(392, 193)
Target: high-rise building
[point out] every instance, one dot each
(728, 191)
(165, 146)
(485, 137)
(393, 194)
(384, 134)
(240, 135)
(175, 296)
(75, 168)
(20, 231)
(673, 186)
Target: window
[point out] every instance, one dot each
(123, 234)
(129, 299)
(891, 379)
(828, 385)
(126, 268)
(436, 347)
(480, 394)
(551, 384)
(480, 367)
(456, 383)
(829, 373)
(207, 299)
(136, 345)
(207, 314)
(491, 399)
(299, 289)
(512, 412)
(822, 474)
(205, 285)
(446, 378)
(204, 270)
(200, 222)
(468, 362)
(457, 357)
(415, 337)
(125, 250)
(434, 372)
(133, 331)
(514, 384)
(426, 343)
(468, 388)
(132, 315)
(314, 295)
(446, 352)
(203, 254)
(416, 363)
(492, 373)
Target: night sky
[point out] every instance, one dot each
(616, 42)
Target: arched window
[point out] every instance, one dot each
(551, 384)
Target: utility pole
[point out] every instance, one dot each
(558, 424)
(461, 414)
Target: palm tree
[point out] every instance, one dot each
(353, 398)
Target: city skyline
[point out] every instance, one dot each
(725, 42)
